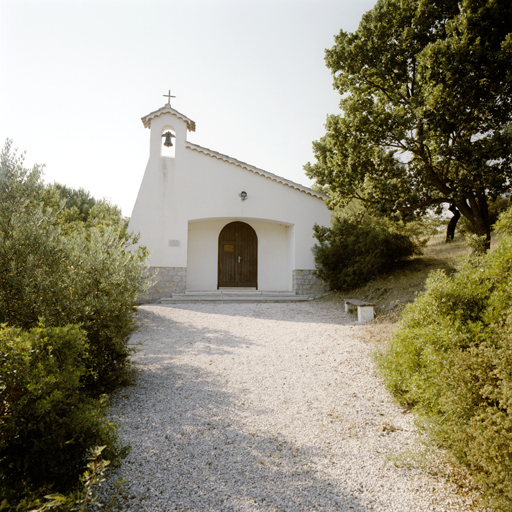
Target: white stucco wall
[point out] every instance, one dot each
(188, 199)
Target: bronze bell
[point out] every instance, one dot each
(168, 141)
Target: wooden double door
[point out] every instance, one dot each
(238, 256)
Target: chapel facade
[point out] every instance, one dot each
(214, 223)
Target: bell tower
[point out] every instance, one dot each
(156, 214)
(168, 129)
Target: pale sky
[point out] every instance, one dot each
(76, 76)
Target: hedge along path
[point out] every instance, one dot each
(249, 407)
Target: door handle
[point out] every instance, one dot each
(239, 258)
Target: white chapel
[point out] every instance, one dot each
(215, 225)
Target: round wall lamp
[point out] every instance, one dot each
(243, 195)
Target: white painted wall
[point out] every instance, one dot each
(274, 265)
(203, 239)
(192, 196)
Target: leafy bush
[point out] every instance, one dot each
(351, 252)
(31, 250)
(452, 360)
(82, 275)
(82, 499)
(62, 262)
(104, 285)
(47, 422)
(504, 223)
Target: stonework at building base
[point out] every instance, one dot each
(305, 282)
(166, 281)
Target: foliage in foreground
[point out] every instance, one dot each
(68, 289)
(452, 360)
(82, 275)
(48, 423)
(80, 500)
(352, 252)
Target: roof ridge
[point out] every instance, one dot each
(256, 170)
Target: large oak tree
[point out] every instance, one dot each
(426, 109)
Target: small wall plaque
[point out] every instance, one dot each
(229, 248)
(174, 243)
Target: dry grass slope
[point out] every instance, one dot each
(392, 292)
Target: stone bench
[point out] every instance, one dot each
(364, 309)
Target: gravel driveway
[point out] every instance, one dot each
(265, 407)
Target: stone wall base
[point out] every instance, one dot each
(169, 280)
(166, 281)
(305, 282)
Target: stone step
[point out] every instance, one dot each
(236, 296)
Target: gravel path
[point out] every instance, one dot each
(264, 407)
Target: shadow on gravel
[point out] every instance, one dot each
(192, 446)
(316, 311)
(192, 451)
(182, 337)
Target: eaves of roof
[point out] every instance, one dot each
(256, 170)
(146, 120)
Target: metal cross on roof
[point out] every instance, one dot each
(169, 96)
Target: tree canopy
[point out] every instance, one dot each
(426, 109)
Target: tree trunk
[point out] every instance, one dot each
(450, 230)
(474, 208)
(482, 224)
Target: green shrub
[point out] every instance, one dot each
(105, 282)
(504, 223)
(82, 275)
(32, 253)
(84, 498)
(47, 422)
(351, 252)
(452, 360)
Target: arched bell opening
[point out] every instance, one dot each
(168, 146)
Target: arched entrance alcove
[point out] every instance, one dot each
(275, 243)
(238, 256)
